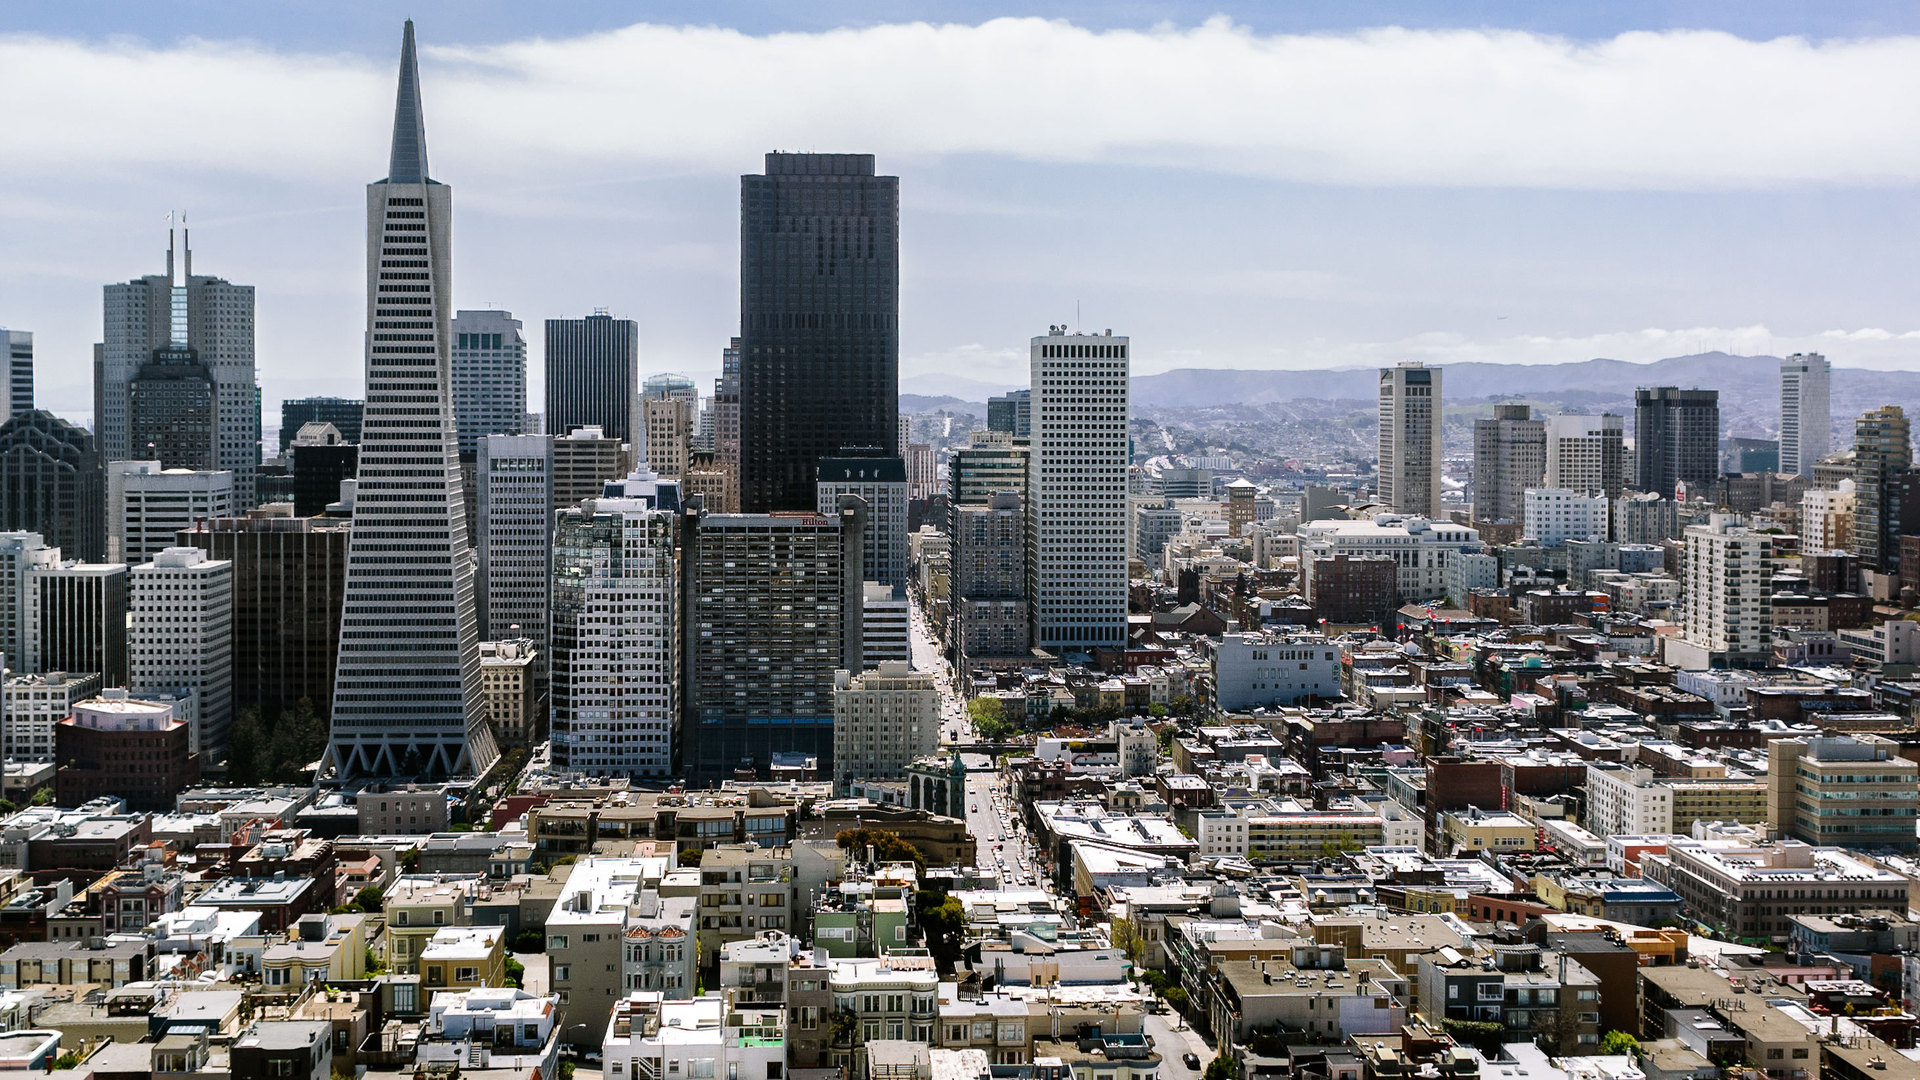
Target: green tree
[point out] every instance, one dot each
(1128, 939)
(1619, 1042)
(691, 857)
(516, 973)
(1176, 998)
(370, 898)
(43, 797)
(887, 847)
(1219, 1069)
(944, 921)
(529, 941)
(244, 744)
(989, 716)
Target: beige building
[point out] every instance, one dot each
(669, 428)
(464, 957)
(1843, 790)
(1472, 831)
(883, 721)
(506, 681)
(413, 810)
(584, 459)
(417, 908)
(743, 890)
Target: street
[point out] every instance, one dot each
(1171, 1043)
(954, 726)
(996, 825)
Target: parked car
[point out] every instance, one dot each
(1190, 1059)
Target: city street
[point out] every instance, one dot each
(954, 726)
(1172, 1043)
(995, 823)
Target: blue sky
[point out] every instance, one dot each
(1292, 185)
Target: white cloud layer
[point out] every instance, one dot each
(1690, 110)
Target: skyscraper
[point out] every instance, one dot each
(152, 324)
(1509, 456)
(148, 506)
(1882, 452)
(19, 356)
(76, 620)
(593, 376)
(880, 482)
(726, 411)
(170, 410)
(181, 636)
(1806, 421)
(1011, 412)
(1587, 454)
(758, 648)
(1077, 523)
(515, 515)
(990, 579)
(819, 321)
(52, 483)
(289, 579)
(343, 413)
(489, 376)
(1409, 479)
(407, 696)
(1676, 437)
(615, 627)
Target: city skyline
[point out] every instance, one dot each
(1373, 255)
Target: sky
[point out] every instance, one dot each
(1291, 185)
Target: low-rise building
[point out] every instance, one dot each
(464, 957)
(1743, 889)
(503, 1028)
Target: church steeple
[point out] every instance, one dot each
(408, 164)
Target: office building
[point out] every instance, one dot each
(593, 376)
(1586, 454)
(489, 375)
(514, 513)
(121, 747)
(346, 414)
(1077, 491)
(615, 632)
(20, 553)
(1012, 413)
(1739, 454)
(710, 482)
(1509, 456)
(1726, 615)
(147, 506)
(406, 697)
(1556, 515)
(989, 560)
(819, 321)
(322, 458)
(1738, 887)
(52, 482)
(1843, 791)
(34, 704)
(886, 623)
(1643, 517)
(1882, 454)
(508, 679)
(1676, 439)
(1826, 519)
(991, 461)
(670, 386)
(726, 410)
(923, 471)
(883, 720)
(1266, 670)
(180, 637)
(76, 620)
(178, 350)
(289, 588)
(770, 608)
(667, 423)
(1410, 416)
(1806, 427)
(1348, 589)
(1421, 548)
(584, 460)
(18, 347)
(881, 482)
(1187, 483)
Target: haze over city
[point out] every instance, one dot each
(1317, 186)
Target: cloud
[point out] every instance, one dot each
(1678, 110)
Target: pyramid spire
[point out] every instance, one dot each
(408, 164)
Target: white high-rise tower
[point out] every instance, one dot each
(1409, 480)
(407, 698)
(1077, 476)
(1806, 420)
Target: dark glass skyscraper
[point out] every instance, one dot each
(593, 376)
(52, 482)
(1676, 436)
(819, 321)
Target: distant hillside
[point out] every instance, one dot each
(925, 403)
(1748, 385)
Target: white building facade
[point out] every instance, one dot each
(1077, 480)
(147, 506)
(1423, 550)
(1255, 670)
(1409, 480)
(883, 720)
(180, 634)
(1806, 420)
(1556, 515)
(489, 376)
(513, 513)
(1586, 454)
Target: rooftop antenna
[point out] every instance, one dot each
(169, 247)
(1076, 316)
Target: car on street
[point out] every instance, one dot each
(1190, 1059)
